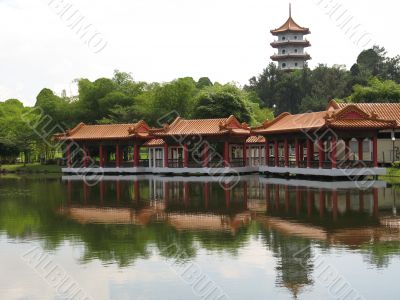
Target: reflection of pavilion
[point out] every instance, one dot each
(292, 213)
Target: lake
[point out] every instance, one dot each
(155, 237)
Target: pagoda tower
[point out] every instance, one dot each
(290, 44)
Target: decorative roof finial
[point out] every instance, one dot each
(290, 10)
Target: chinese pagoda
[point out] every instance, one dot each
(290, 44)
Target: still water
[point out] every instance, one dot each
(150, 237)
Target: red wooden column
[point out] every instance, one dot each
(297, 151)
(185, 155)
(117, 156)
(69, 155)
(360, 149)
(347, 149)
(226, 154)
(301, 150)
(136, 155)
(101, 156)
(375, 150)
(310, 152)
(321, 152)
(334, 153)
(244, 154)
(266, 152)
(165, 155)
(205, 155)
(85, 160)
(276, 153)
(286, 146)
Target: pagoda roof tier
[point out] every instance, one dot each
(221, 126)
(278, 57)
(290, 26)
(303, 43)
(106, 132)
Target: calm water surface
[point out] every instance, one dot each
(150, 237)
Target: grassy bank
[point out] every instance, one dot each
(30, 168)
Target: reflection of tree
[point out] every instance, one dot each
(380, 254)
(294, 266)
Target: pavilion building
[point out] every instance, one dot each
(345, 140)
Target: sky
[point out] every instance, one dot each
(160, 40)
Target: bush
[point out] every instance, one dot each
(396, 164)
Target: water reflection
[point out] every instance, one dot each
(121, 219)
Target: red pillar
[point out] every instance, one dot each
(276, 153)
(347, 149)
(165, 155)
(117, 156)
(226, 154)
(266, 152)
(301, 151)
(297, 151)
(375, 150)
(360, 149)
(334, 204)
(85, 156)
(136, 155)
(205, 155)
(334, 153)
(286, 146)
(244, 154)
(310, 152)
(69, 155)
(185, 156)
(101, 156)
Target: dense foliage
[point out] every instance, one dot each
(375, 77)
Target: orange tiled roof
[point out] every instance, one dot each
(292, 26)
(385, 111)
(255, 139)
(106, 132)
(348, 116)
(204, 127)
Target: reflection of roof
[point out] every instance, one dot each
(106, 131)
(290, 26)
(349, 116)
(220, 126)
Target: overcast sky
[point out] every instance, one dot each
(160, 40)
